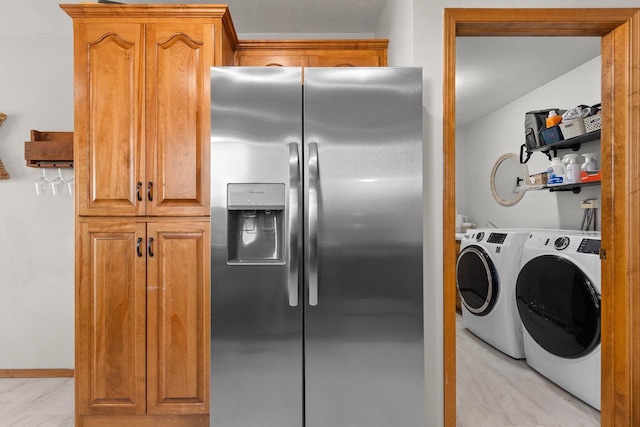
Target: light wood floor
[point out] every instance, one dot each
(36, 402)
(494, 390)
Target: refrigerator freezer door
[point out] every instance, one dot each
(256, 348)
(363, 339)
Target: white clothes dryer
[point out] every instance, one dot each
(486, 273)
(558, 299)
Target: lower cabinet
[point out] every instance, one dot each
(142, 322)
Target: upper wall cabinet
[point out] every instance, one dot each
(312, 53)
(142, 107)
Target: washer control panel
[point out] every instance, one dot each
(562, 243)
(589, 246)
(572, 244)
(497, 238)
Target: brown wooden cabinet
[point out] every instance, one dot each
(141, 157)
(142, 107)
(110, 319)
(142, 334)
(312, 53)
(178, 323)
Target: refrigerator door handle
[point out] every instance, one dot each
(294, 203)
(313, 224)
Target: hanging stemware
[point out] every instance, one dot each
(43, 185)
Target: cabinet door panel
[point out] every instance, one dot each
(110, 328)
(346, 58)
(178, 62)
(178, 318)
(109, 156)
(275, 59)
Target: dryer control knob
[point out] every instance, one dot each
(479, 236)
(562, 243)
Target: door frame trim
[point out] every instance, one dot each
(619, 30)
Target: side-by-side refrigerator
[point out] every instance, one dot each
(316, 265)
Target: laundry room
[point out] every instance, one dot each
(528, 271)
(482, 136)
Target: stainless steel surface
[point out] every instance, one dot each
(256, 348)
(312, 266)
(363, 341)
(294, 218)
(356, 358)
(255, 196)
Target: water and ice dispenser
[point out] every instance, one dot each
(255, 223)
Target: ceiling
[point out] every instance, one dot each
(493, 71)
(490, 71)
(298, 16)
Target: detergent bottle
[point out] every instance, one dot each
(572, 170)
(555, 172)
(589, 164)
(553, 119)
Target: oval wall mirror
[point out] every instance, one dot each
(508, 179)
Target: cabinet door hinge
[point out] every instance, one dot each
(603, 254)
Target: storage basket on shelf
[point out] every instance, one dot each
(593, 123)
(573, 128)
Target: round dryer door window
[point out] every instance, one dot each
(477, 280)
(559, 306)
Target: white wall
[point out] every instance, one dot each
(289, 36)
(481, 143)
(36, 234)
(396, 25)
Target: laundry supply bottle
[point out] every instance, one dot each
(573, 172)
(589, 164)
(555, 172)
(553, 119)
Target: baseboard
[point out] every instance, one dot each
(184, 420)
(36, 373)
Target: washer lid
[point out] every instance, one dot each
(477, 280)
(559, 306)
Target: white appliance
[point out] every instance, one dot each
(486, 273)
(558, 300)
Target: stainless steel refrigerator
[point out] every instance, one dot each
(316, 265)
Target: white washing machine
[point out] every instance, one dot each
(558, 299)
(486, 273)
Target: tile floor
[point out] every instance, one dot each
(494, 390)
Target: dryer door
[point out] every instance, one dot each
(476, 280)
(559, 306)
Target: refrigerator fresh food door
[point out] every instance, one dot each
(256, 316)
(363, 214)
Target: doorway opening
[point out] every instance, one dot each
(619, 30)
(498, 79)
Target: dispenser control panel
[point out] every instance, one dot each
(255, 196)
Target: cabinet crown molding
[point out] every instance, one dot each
(320, 44)
(99, 10)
